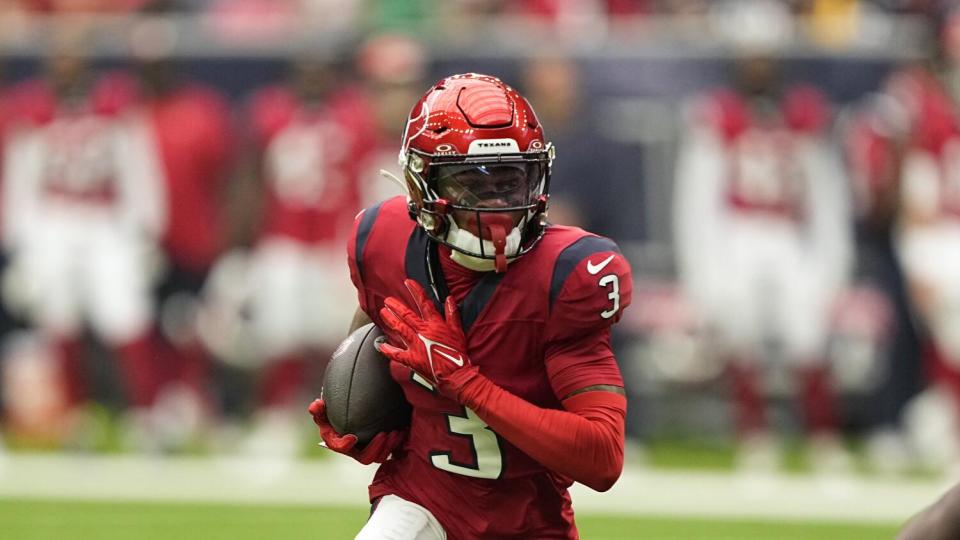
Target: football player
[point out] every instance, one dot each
(83, 208)
(928, 235)
(308, 157)
(499, 326)
(191, 130)
(761, 225)
(875, 136)
(391, 70)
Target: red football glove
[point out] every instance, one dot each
(376, 451)
(435, 347)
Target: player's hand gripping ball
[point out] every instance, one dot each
(434, 346)
(362, 411)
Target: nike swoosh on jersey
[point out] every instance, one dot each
(594, 269)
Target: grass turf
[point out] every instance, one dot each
(63, 520)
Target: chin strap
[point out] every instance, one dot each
(499, 237)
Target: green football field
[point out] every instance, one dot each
(49, 520)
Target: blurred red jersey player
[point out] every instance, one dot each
(928, 241)
(390, 68)
(515, 389)
(309, 157)
(190, 129)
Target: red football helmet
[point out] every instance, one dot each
(477, 169)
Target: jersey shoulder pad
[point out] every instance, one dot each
(114, 93)
(724, 112)
(390, 216)
(805, 109)
(270, 110)
(205, 113)
(32, 102)
(590, 286)
(204, 102)
(935, 121)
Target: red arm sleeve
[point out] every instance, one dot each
(584, 441)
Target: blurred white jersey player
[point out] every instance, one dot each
(762, 232)
(929, 235)
(928, 241)
(83, 205)
(310, 156)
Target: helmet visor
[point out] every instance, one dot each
(490, 185)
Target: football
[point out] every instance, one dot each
(360, 395)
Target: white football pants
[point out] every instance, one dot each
(399, 519)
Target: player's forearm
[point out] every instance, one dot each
(584, 442)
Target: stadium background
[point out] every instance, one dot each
(97, 470)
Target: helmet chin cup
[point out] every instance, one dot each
(498, 236)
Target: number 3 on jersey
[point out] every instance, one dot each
(488, 459)
(613, 283)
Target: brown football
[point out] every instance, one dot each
(360, 395)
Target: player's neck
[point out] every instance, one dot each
(459, 278)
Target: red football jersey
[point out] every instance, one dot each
(311, 159)
(192, 132)
(540, 330)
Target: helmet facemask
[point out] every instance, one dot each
(489, 209)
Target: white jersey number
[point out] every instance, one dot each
(302, 164)
(613, 282)
(488, 459)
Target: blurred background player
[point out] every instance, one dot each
(762, 232)
(928, 234)
(191, 129)
(83, 210)
(557, 84)
(875, 139)
(24, 417)
(309, 156)
(553, 83)
(390, 70)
